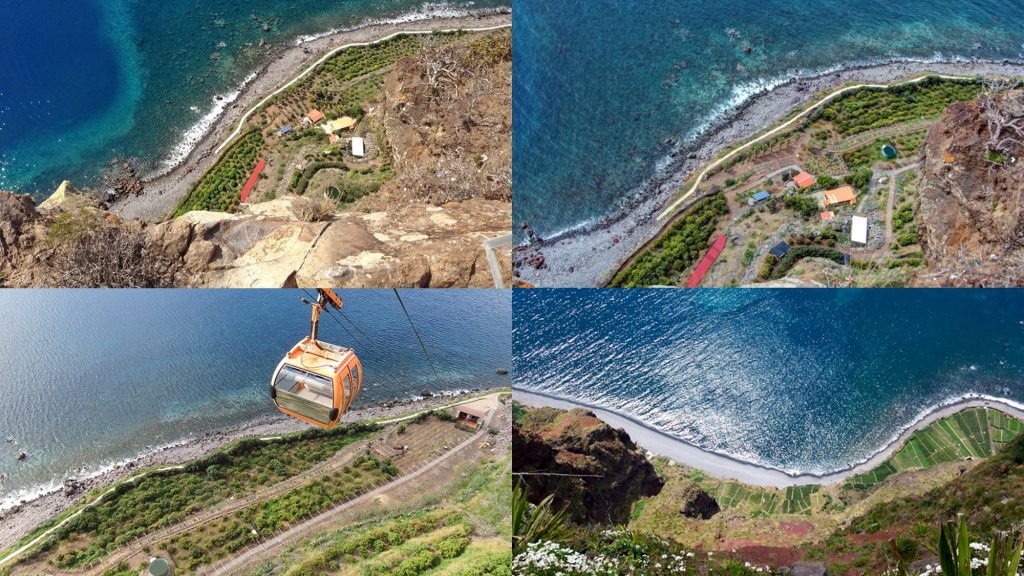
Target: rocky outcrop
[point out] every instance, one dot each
(263, 246)
(595, 471)
(266, 246)
(970, 216)
(696, 503)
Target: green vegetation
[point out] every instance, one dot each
(903, 224)
(972, 433)
(677, 248)
(535, 523)
(619, 552)
(871, 108)
(220, 188)
(227, 534)
(162, 498)
(485, 495)
(798, 253)
(806, 206)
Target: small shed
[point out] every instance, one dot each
(358, 147)
(334, 139)
(761, 196)
(471, 416)
(286, 129)
(827, 216)
(780, 250)
(859, 230)
(804, 180)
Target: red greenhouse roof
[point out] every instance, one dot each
(253, 179)
(707, 262)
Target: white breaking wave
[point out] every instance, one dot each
(31, 493)
(194, 135)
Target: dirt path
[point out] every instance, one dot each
(244, 561)
(785, 126)
(386, 420)
(859, 140)
(889, 211)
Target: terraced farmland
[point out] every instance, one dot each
(972, 433)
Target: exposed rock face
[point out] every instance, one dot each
(970, 216)
(263, 246)
(448, 117)
(604, 471)
(697, 503)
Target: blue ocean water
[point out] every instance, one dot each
(809, 381)
(86, 81)
(91, 377)
(599, 86)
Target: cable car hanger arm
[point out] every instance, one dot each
(325, 297)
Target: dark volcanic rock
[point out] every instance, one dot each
(594, 470)
(698, 504)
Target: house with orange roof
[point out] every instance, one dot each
(314, 116)
(839, 196)
(804, 180)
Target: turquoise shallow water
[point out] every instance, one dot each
(80, 85)
(803, 381)
(599, 86)
(90, 377)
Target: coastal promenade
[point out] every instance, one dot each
(724, 466)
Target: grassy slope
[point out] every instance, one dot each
(762, 514)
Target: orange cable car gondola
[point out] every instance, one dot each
(316, 382)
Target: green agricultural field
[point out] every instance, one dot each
(907, 146)
(228, 534)
(972, 433)
(870, 108)
(165, 497)
(677, 248)
(219, 190)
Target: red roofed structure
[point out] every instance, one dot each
(709, 260)
(251, 183)
(804, 180)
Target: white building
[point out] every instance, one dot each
(859, 230)
(358, 147)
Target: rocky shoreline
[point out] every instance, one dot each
(588, 257)
(162, 192)
(27, 515)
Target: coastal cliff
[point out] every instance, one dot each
(970, 463)
(971, 215)
(594, 470)
(416, 212)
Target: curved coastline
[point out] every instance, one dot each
(22, 511)
(585, 255)
(189, 158)
(726, 466)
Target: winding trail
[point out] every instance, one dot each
(786, 125)
(724, 466)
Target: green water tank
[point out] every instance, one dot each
(159, 567)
